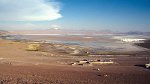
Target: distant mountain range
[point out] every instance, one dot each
(68, 32)
(137, 33)
(60, 31)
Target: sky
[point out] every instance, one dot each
(115, 15)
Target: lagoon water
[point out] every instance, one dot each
(102, 42)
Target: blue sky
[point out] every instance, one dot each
(116, 15)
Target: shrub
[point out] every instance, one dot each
(33, 47)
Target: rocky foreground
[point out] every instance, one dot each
(46, 66)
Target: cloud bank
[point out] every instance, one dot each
(29, 10)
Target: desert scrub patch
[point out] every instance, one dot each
(33, 47)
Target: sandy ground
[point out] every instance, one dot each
(18, 66)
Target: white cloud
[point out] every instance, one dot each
(29, 10)
(56, 27)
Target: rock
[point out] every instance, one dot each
(98, 69)
(82, 62)
(147, 65)
(105, 75)
(73, 63)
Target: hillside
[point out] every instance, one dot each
(3, 32)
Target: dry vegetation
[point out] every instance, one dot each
(33, 47)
